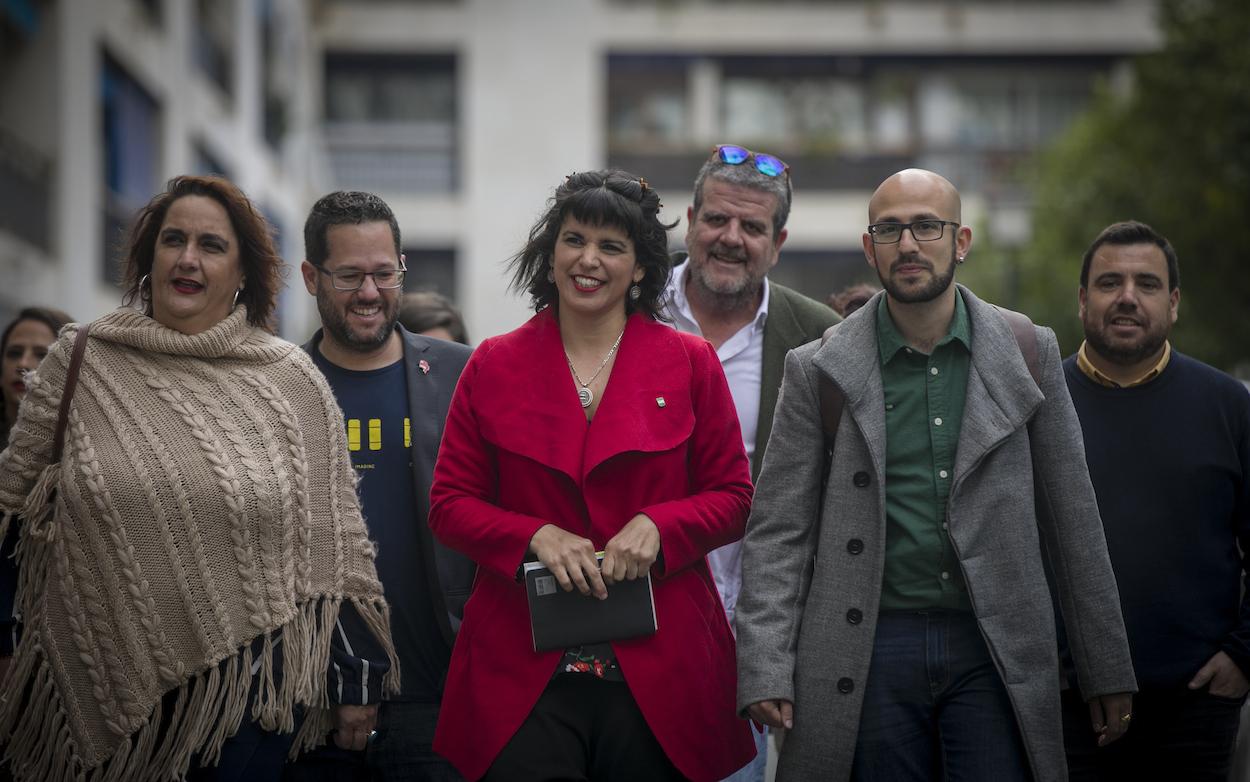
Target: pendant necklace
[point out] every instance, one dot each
(584, 394)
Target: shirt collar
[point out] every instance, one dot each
(1092, 372)
(890, 341)
(679, 305)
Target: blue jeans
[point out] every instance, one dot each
(935, 706)
(757, 769)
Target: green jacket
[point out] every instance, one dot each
(793, 320)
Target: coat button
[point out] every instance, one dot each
(861, 479)
(855, 546)
(845, 685)
(854, 616)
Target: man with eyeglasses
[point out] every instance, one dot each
(1167, 440)
(895, 612)
(721, 291)
(394, 388)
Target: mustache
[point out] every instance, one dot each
(910, 260)
(737, 254)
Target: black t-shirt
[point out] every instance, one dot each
(375, 406)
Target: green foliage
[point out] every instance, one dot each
(1175, 154)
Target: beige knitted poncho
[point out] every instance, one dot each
(204, 499)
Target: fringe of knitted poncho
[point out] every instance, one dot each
(205, 499)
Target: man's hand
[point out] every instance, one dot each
(775, 714)
(1110, 716)
(570, 558)
(632, 551)
(353, 724)
(1225, 678)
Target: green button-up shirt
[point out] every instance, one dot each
(924, 407)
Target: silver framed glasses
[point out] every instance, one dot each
(921, 231)
(353, 279)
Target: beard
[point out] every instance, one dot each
(1121, 352)
(936, 286)
(334, 321)
(729, 293)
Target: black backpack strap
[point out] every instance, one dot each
(1026, 339)
(831, 400)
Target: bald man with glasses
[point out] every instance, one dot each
(895, 613)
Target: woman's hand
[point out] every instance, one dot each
(570, 558)
(632, 551)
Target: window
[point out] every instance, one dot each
(279, 60)
(843, 122)
(390, 122)
(131, 124)
(431, 269)
(206, 163)
(212, 37)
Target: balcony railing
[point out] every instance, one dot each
(393, 157)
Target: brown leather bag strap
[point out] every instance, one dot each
(67, 395)
(1026, 338)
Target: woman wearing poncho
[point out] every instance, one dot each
(184, 563)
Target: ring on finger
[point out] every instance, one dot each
(1126, 717)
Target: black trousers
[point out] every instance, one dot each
(583, 728)
(1176, 734)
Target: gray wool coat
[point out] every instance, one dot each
(1020, 489)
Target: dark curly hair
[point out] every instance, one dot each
(600, 198)
(344, 207)
(262, 266)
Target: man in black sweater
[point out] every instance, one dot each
(1167, 439)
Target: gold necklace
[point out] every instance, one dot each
(584, 394)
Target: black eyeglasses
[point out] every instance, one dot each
(767, 165)
(353, 279)
(921, 231)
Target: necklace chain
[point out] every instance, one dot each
(584, 394)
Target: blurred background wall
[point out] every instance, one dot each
(464, 115)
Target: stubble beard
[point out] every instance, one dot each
(724, 295)
(936, 286)
(334, 321)
(1123, 354)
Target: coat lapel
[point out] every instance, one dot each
(423, 399)
(850, 359)
(651, 365)
(1001, 397)
(525, 400)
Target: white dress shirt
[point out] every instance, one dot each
(742, 358)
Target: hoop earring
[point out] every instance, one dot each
(235, 303)
(635, 292)
(145, 291)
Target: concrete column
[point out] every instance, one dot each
(531, 89)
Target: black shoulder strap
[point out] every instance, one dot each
(831, 400)
(67, 394)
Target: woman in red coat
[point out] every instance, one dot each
(593, 427)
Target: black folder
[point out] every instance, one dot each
(560, 620)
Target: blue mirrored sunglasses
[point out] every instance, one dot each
(766, 164)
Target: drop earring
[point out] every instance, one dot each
(635, 292)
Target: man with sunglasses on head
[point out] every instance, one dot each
(926, 458)
(394, 388)
(720, 290)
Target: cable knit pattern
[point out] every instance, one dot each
(204, 499)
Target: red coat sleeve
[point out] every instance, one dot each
(463, 514)
(715, 512)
